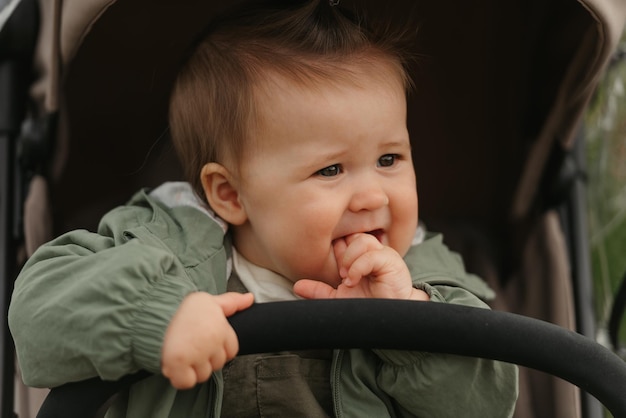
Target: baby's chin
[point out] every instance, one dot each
(325, 270)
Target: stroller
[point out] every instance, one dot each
(501, 92)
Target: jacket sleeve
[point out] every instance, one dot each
(90, 304)
(440, 385)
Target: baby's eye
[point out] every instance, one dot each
(387, 160)
(330, 171)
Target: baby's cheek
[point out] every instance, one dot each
(403, 238)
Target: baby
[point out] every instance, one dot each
(291, 125)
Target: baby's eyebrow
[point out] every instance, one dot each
(397, 144)
(330, 157)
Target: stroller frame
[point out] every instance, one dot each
(17, 45)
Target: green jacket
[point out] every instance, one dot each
(90, 304)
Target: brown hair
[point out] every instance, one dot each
(212, 107)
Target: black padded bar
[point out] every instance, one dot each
(405, 325)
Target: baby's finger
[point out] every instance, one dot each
(339, 248)
(368, 263)
(203, 371)
(233, 302)
(312, 289)
(358, 245)
(218, 359)
(360, 236)
(181, 377)
(231, 345)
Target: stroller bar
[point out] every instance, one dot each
(391, 324)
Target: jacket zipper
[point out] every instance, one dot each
(213, 398)
(336, 377)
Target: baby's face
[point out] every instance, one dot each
(326, 163)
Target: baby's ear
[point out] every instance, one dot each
(222, 194)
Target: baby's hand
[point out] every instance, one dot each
(368, 270)
(199, 339)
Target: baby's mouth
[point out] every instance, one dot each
(377, 233)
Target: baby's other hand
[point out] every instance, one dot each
(368, 269)
(199, 339)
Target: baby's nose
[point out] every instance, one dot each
(370, 196)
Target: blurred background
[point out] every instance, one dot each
(605, 139)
